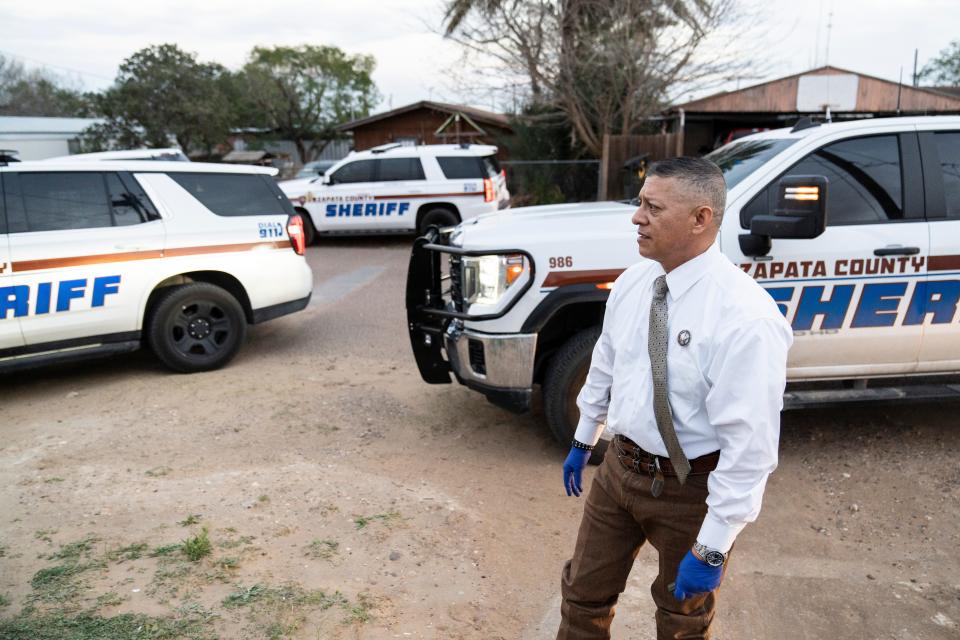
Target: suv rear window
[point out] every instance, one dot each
(228, 194)
(463, 167)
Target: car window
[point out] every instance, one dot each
(737, 160)
(127, 210)
(392, 169)
(65, 200)
(948, 146)
(458, 168)
(357, 171)
(235, 194)
(864, 183)
(3, 210)
(492, 165)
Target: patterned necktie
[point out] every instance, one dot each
(657, 347)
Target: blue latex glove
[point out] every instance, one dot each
(573, 470)
(695, 577)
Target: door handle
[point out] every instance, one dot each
(896, 251)
(128, 247)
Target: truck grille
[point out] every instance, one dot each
(456, 286)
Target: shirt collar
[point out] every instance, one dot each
(690, 272)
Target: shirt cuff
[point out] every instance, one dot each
(718, 535)
(588, 432)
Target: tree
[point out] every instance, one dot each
(607, 65)
(945, 68)
(303, 93)
(37, 93)
(162, 91)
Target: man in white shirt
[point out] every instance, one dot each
(688, 375)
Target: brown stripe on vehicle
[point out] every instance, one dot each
(943, 263)
(153, 254)
(413, 196)
(563, 278)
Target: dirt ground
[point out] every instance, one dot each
(342, 497)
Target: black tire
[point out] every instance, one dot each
(309, 231)
(196, 327)
(562, 382)
(437, 218)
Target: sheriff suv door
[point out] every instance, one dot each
(83, 243)
(12, 305)
(847, 292)
(350, 194)
(940, 349)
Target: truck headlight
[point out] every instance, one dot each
(487, 278)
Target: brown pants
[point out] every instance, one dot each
(618, 517)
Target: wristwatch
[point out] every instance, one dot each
(712, 557)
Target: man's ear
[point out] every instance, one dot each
(702, 219)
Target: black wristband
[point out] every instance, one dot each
(576, 444)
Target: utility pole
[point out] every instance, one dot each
(916, 80)
(826, 56)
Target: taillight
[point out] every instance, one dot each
(488, 190)
(295, 231)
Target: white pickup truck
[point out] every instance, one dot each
(853, 228)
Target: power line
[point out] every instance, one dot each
(54, 66)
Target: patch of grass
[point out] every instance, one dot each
(52, 480)
(263, 498)
(44, 534)
(243, 596)
(165, 550)
(278, 612)
(388, 517)
(3, 550)
(193, 518)
(129, 552)
(73, 551)
(237, 542)
(198, 546)
(229, 562)
(111, 599)
(322, 549)
(57, 584)
(86, 626)
(4, 600)
(157, 472)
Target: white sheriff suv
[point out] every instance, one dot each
(853, 228)
(103, 257)
(401, 188)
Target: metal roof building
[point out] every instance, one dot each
(38, 138)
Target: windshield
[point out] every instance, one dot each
(739, 159)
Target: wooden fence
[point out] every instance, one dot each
(616, 183)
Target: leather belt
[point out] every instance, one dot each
(636, 459)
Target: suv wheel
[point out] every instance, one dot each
(562, 382)
(196, 327)
(437, 218)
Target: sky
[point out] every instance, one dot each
(86, 41)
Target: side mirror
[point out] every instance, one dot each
(801, 209)
(801, 213)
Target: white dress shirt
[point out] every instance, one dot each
(725, 385)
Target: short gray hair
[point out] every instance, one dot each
(700, 175)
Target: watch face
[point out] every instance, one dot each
(714, 558)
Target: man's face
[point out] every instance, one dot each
(667, 226)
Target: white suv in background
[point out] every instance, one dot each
(104, 257)
(398, 188)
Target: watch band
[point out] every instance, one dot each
(712, 557)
